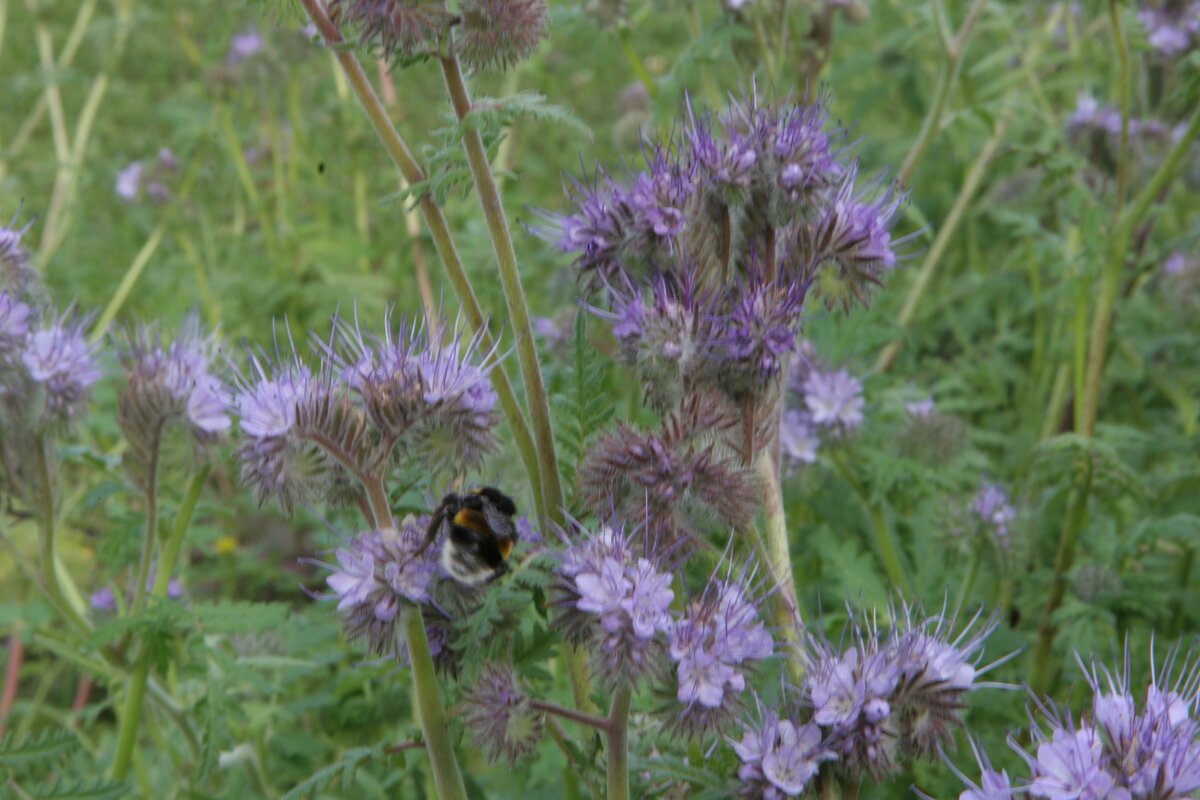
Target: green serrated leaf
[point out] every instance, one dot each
(36, 748)
(344, 769)
(98, 789)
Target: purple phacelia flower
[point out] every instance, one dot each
(16, 272)
(760, 332)
(243, 45)
(856, 227)
(1068, 767)
(171, 382)
(992, 508)
(921, 408)
(804, 148)
(1172, 29)
(716, 640)
(725, 163)
(129, 182)
(496, 34)
(14, 324)
(798, 437)
(378, 573)
(992, 785)
(103, 599)
(834, 399)
(60, 362)
(499, 715)
(599, 576)
(851, 698)
(779, 758)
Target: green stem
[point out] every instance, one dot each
(947, 79)
(150, 540)
(635, 62)
(49, 527)
(514, 292)
(618, 744)
(439, 230)
(941, 242)
(785, 606)
(166, 563)
(968, 584)
(1114, 12)
(135, 692)
(591, 720)
(1127, 221)
(131, 712)
(885, 543)
(446, 776)
(1040, 670)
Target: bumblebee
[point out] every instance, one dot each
(480, 534)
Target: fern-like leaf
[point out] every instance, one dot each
(98, 789)
(584, 408)
(233, 617)
(344, 768)
(36, 748)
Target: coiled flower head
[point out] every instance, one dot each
(496, 34)
(59, 370)
(499, 715)
(16, 271)
(713, 644)
(779, 757)
(624, 599)
(398, 27)
(378, 573)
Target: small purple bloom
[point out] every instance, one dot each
(991, 505)
(14, 323)
(61, 361)
(855, 227)
(103, 599)
(1068, 767)
(921, 408)
(834, 399)
(129, 182)
(798, 437)
(779, 758)
(243, 46)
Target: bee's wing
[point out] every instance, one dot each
(500, 523)
(437, 523)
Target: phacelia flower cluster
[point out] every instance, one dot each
(502, 720)
(822, 402)
(884, 696)
(1096, 130)
(713, 644)
(614, 599)
(375, 575)
(707, 254)
(674, 482)
(313, 433)
(16, 271)
(1133, 746)
(1173, 27)
(929, 434)
(47, 367)
(154, 181)
(171, 383)
(993, 510)
(497, 34)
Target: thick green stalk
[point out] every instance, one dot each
(150, 539)
(1127, 222)
(945, 85)
(444, 765)
(166, 562)
(514, 292)
(135, 691)
(49, 528)
(942, 241)
(1040, 671)
(785, 606)
(618, 744)
(443, 242)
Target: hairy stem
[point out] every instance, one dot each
(591, 720)
(785, 606)
(514, 292)
(48, 530)
(618, 744)
(947, 79)
(166, 563)
(150, 539)
(1127, 221)
(439, 230)
(444, 765)
(1040, 671)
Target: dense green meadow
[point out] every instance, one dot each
(831, 480)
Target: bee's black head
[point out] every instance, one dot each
(503, 503)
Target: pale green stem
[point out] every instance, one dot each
(439, 230)
(436, 731)
(635, 62)
(1114, 11)
(150, 541)
(514, 292)
(142, 259)
(941, 242)
(166, 563)
(885, 540)
(1126, 223)
(1040, 671)
(135, 690)
(947, 79)
(968, 584)
(785, 605)
(618, 744)
(49, 529)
